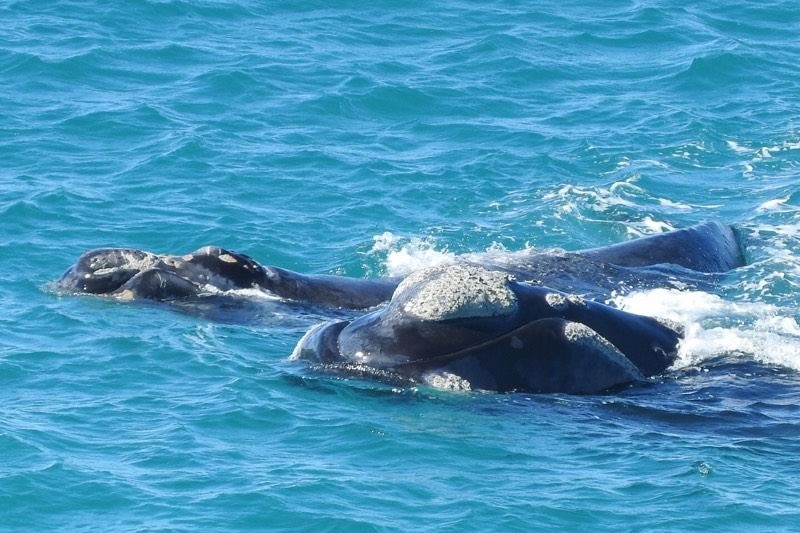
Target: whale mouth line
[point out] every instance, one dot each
(443, 359)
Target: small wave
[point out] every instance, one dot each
(624, 203)
(773, 273)
(720, 69)
(398, 101)
(774, 157)
(181, 10)
(17, 65)
(226, 83)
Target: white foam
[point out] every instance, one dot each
(678, 206)
(598, 199)
(772, 205)
(790, 145)
(650, 225)
(738, 148)
(249, 293)
(404, 256)
(781, 230)
(774, 270)
(757, 155)
(716, 326)
(623, 195)
(255, 293)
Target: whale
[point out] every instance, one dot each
(694, 255)
(491, 332)
(132, 274)
(531, 321)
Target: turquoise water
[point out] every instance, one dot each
(369, 140)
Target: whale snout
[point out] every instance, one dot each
(320, 344)
(104, 270)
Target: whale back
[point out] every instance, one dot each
(711, 247)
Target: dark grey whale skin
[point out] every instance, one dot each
(531, 349)
(581, 346)
(135, 274)
(697, 251)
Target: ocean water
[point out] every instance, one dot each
(374, 139)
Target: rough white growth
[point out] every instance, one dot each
(127, 294)
(129, 260)
(560, 302)
(173, 262)
(586, 337)
(228, 258)
(446, 381)
(456, 291)
(574, 299)
(119, 262)
(674, 325)
(556, 301)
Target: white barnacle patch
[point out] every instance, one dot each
(575, 299)
(173, 262)
(136, 262)
(677, 327)
(446, 381)
(115, 260)
(456, 291)
(556, 300)
(589, 339)
(127, 294)
(188, 257)
(228, 258)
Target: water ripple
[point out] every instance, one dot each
(366, 139)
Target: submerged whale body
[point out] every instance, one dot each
(526, 323)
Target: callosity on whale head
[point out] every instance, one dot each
(105, 270)
(496, 333)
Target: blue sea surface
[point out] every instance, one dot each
(371, 139)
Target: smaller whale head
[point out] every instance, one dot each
(104, 270)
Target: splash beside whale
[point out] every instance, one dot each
(526, 323)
